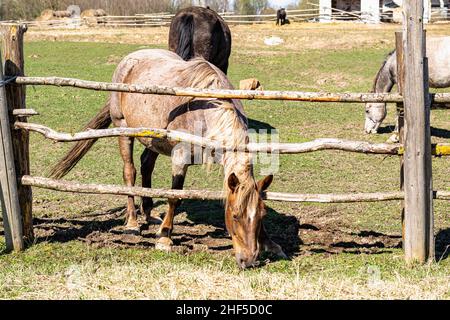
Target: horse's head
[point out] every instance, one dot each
(244, 213)
(375, 114)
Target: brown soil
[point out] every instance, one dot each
(200, 227)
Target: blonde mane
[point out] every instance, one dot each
(230, 127)
(203, 75)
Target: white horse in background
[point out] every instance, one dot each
(438, 53)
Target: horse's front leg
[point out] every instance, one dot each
(394, 138)
(266, 244)
(165, 230)
(129, 177)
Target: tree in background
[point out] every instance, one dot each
(250, 6)
(218, 5)
(30, 9)
(308, 4)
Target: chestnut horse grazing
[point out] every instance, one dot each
(220, 120)
(201, 32)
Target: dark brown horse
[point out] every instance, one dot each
(281, 16)
(201, 32)
(220, 120)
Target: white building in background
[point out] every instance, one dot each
(372, 11)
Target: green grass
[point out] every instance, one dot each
(75, 269)
(78, 271)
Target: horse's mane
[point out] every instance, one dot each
(230, 127)
(203, 75)
(381, 69)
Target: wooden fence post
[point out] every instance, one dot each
(13, 59)
(418, 243)
(12, 222)
(400, 115)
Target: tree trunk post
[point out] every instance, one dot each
(12, 222)
(13, 66)
(418, 222)
(400, 115)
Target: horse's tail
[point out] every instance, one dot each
(185, 30)
(101, 121)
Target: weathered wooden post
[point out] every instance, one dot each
(12, 222)
(418, 223)
(13, 65)
(401, 115)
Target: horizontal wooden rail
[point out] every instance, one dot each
(69, 186)
(217, 93)
(347, 97)
(24, 112)
(283, 148)
(441, 149)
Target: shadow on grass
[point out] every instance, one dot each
(258, 125)
(442, 244)
(386, 129)
(68, 229)
(435, 132)
(440, 133)
(331, 240)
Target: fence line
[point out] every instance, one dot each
(69, 186)
(163, 19)
(281, 148)
(217, 93)
(347, 97)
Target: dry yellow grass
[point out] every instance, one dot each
(297, 36)
(166, 280)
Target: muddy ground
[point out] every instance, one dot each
(193, 233)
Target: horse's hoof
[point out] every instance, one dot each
(164, 244)
(393, 139)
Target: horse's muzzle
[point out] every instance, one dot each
(371, 126)
(245, 263)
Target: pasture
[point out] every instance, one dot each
(335, 250)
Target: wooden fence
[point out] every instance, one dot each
(415, 147)
(164, 18)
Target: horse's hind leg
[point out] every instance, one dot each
(148, 160)
(165, 230)
(129, 177)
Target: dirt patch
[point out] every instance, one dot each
(200, 227)
(325, 237)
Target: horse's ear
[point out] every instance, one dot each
(263, 184)
(233, 182)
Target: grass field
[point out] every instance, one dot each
(335, 250)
